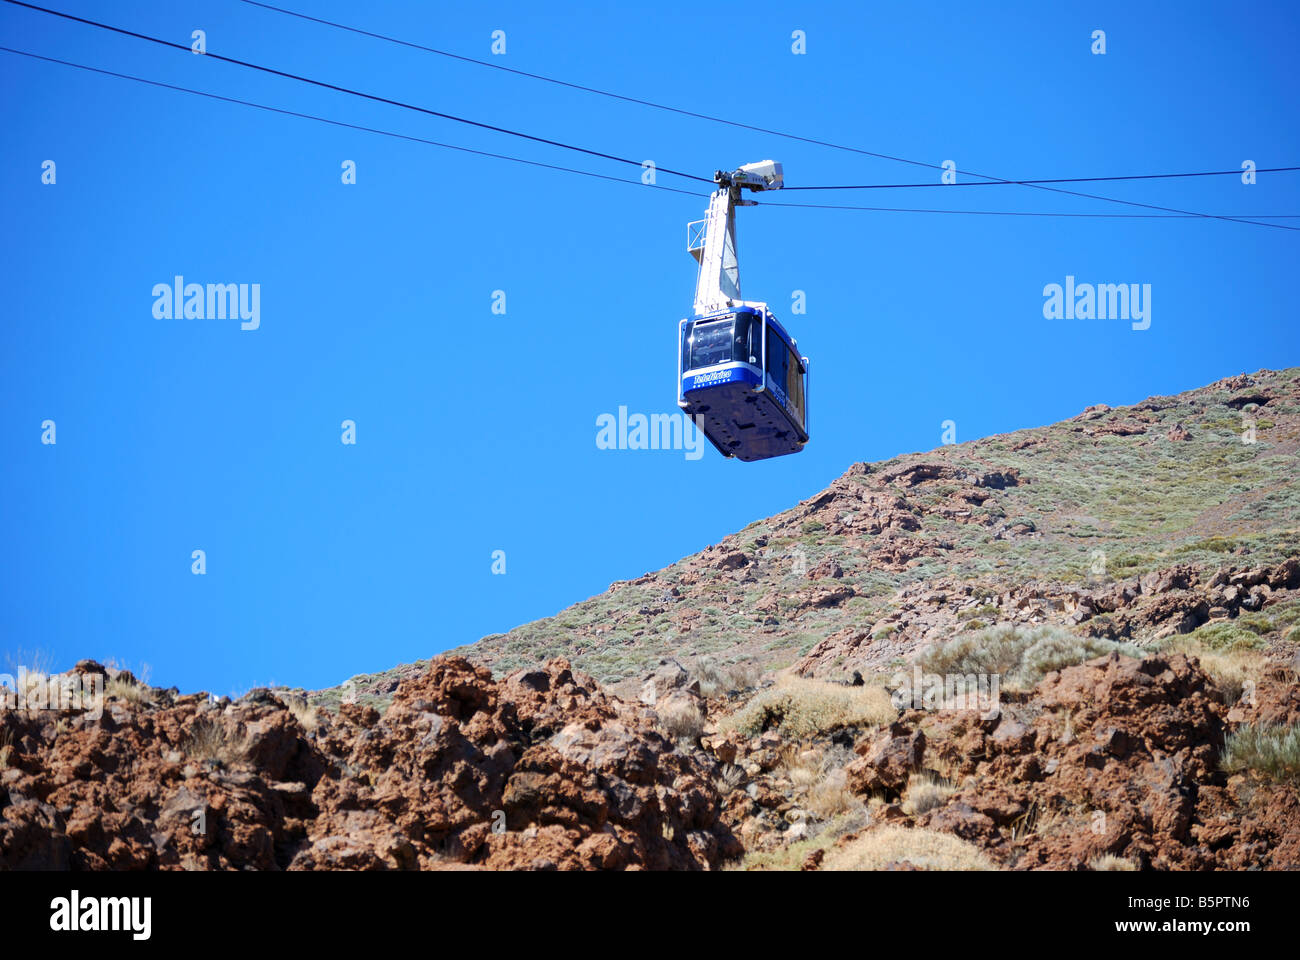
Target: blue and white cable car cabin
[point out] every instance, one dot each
(739, 373)
(743, 375)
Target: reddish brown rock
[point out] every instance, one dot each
(827, 568)
(1121, 757)
(540, 771)
(885, 764)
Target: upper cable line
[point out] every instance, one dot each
(744, 126)
(356, 93)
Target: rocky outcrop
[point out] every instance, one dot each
(886, 764)
(1113, 756)
(542, 770)
(1172, 600)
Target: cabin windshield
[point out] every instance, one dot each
(711, 343)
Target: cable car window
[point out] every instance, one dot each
(711, 343)
(750, 344)
(794, 389)
(778, 355)
(784, 368)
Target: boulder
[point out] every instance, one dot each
(885, 764)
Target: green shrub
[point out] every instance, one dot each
(1225, 635)
(1213, 544)
(1021, 656)
(1255, 623)
(1273, 752)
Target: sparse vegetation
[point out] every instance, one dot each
(306, 714)
(926, 792)
(818, 777)
(1210, 544)
(1230, 669)
(792, 855)
(886, 844)
(986, 611)
(729, 779)
(1271, 752)
(209, 740)
(1111, 862)
(716, 679)
(1256, 623)
(1021, 656)
(805, 708)
(682, 720)
(1225, 635)
(128, 689)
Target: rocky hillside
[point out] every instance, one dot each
(1114, 522)
(1073, 647)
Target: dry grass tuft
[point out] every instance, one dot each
(1036, 820)
(123, 689)
(36, 662)
(729, 779)
(1231, 669)
(716, 679)
(830, 796)
(926, 792)
(31, 671)
(683, 720)
(819, 779)
(124, 685)
(209, 740)
(1111, 862)
(808, 708)
(926, 849)
(306, 715)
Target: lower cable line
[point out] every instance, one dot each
(341, 123)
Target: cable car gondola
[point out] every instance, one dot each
(740, 375)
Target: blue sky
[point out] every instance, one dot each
(476, 431)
